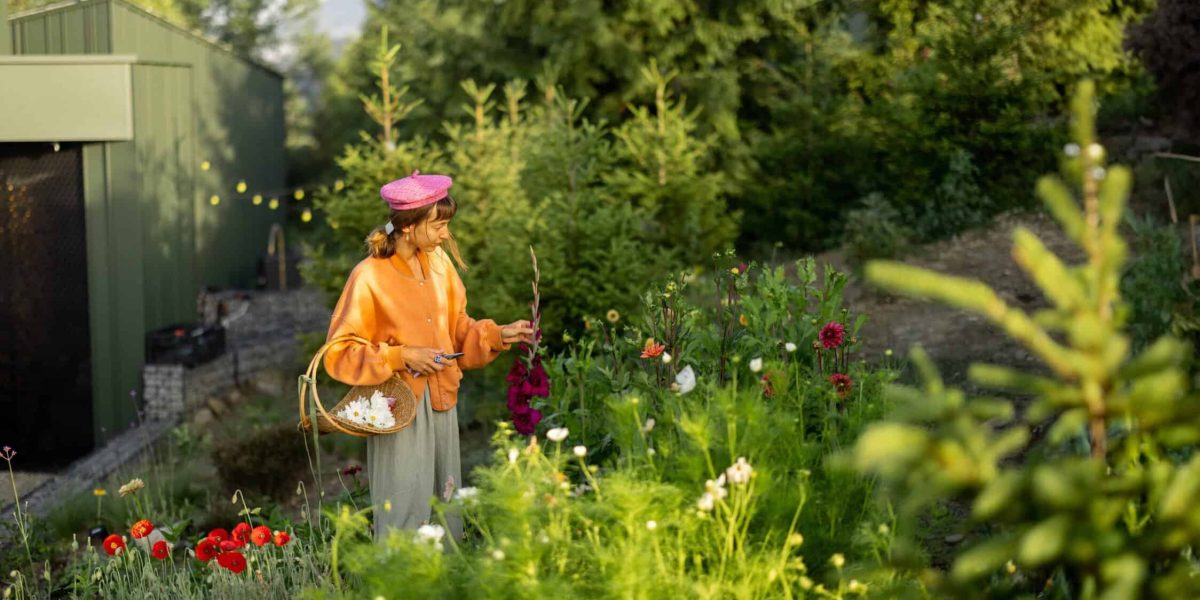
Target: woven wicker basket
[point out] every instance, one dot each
(327, 420)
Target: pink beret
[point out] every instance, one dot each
(415, 191)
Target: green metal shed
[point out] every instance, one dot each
(124, 141)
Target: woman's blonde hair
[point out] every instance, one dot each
(382, 245)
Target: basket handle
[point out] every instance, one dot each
(309, 380)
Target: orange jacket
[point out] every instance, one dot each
(385, 303)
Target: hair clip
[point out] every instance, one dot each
(389, 228)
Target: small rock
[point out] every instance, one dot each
(217, 406)
(202, 417)
(954, 538)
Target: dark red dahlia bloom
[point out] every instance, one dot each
(842, 384)
(526, 422)
(832, 335)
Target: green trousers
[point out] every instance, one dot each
(412, 466)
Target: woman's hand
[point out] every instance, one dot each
(517, 332)
(423, 360)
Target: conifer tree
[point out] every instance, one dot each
(1094, 484)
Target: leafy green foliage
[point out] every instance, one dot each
(1088, 484)
(607, 210)
(639, 491)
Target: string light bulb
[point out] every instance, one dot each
(274, 203)
(338, 185)
(205, 165)
(299, 194)
(306, 216)
(257, 199)
(241, 187)
(214, 200)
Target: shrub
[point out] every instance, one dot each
(268, 461)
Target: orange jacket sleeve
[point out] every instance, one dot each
(478, 340)
(352, 362)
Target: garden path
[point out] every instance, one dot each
(954, 338)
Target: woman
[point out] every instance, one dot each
(407, 299)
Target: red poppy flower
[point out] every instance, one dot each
(652, 349)
(230, 545)
(113, 544)
(768, 391)
(526, 423)
(160, 550)
(842, 384)
(282, 538)
(261, 535)
(141, 529)
(241, 532)
(207, 549)
(218, 535)
(234, 561)
(832, 335)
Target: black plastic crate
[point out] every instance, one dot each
(187, 344)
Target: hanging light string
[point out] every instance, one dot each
(270, 197)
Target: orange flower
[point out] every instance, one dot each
(113, 544)
(160, 550)
(261, 535)
(141, 529)
(282, 538)
(743, 320)
(652, 349)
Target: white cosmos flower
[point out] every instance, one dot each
(755, 365)
(649, 426)
(513, 454)
(686, 380)
(430, 534)
(716, 488)
(706, 502)
(466, 493)
(790, 347)
(740, 472)
(580, 451)
(557, 434)
(666, 357)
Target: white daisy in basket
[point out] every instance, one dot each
(356, 411)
